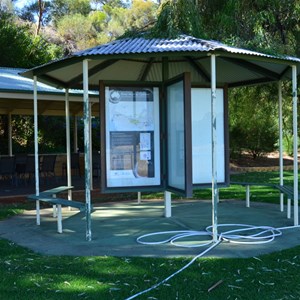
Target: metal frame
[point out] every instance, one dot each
(186, 80)
(104, 187)
(226, 183)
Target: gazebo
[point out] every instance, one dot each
(156, 97)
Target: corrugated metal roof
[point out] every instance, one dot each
(140, 59)
(12, 81)
(180, 44)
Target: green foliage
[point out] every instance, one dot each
(19, 48)
(261, 25)
(77, 32)
(175, 18)
(251, 128)
(140, 15)
(22, 134)
(51, 135)
(61, 8)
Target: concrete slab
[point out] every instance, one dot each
(116, 226)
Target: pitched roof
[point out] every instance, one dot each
(180, 44)
(142, 60)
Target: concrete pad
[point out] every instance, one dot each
(116, 226)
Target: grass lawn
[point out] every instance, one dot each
(258, 193)
(27, 275)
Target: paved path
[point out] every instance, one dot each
(116, 226)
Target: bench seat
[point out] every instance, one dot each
(58, 201)
(49, 196)
(284, 189)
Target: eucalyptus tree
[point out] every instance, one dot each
(37, 12)
(262, 25)
(19, 47)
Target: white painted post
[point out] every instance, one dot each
(87, 162)
(36, 150)
(10, 153)
(59, 219)
(91, 147)
(68, 144)
(75, 135)
(214, 150)
(139, 197)
(295, 132)
(280, 143)
(247, 196)
(168, 205)
(289, 208)
(54, 207)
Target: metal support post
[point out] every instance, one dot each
(214, 149)
(36, 149)
(87, 162)
(295, 132)
(168, 206)
(280, 143)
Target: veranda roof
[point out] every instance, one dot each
(16, 96)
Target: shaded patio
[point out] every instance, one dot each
(116, 226)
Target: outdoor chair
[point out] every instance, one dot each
(48, 166)
(7, 169)
(96, 164)
(20, 164)
(29, 168)
(75, 165)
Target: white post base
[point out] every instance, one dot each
(38, 215)
(288, 208)
(247, 196)
(281, 202)
(139, 197)
(168, 206)
(59, 219)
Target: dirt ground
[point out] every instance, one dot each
(268, 160)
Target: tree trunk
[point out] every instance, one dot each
(40, 16)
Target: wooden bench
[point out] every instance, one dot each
(49, 196)
(284, 189)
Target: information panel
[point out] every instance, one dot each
(201, 135)
(132, 137)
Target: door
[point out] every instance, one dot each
(179, 135)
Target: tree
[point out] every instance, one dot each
(112, 3)
(175, 18)
(6, 6)
(251, 128)
(77, 32)
(61, 8)
(36, 12)
(140, 15)
(19, 48)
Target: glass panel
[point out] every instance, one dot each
(201, 135)
(176, 140)
(132, 137)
